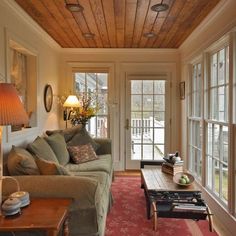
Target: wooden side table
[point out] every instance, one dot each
(47, 214)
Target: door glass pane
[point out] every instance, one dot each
(159, 87)
(147, 151)
(159, 118)
(136, 103)
(147, 102)
(147, 123)
(159, 135)
(159, 102)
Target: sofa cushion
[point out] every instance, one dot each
(58, 145)
(50, 168)
(82, 153)
(41, 148)
(67, 133)
(82, 137)
(103, 163)
(21, 162)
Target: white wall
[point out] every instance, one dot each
(14, 23)
(123, 62)
(220, 22)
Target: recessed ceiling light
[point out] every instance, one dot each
(149, 35)
(160, 7)
(88, 35)
(74, 7)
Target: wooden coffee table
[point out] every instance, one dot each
(163, 195)
(47, 214)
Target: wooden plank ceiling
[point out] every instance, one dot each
(118, 23)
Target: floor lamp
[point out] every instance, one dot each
(71, 101)
(12, 112)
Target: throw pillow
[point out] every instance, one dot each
(21, 162)
(41, 148)
(82, 153)
(50, 168)
(58, 145)
(82, 137)
(67, 133)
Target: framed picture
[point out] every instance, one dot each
(182, 90)
(48, 97)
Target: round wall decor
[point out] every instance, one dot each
(48, 97)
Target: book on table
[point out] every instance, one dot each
(171, 168)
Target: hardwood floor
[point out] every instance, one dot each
(128, 173)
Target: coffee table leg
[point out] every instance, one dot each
(148, 205)
(154, 207)
(210, 219)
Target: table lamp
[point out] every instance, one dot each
(12, 112)
(71, 101)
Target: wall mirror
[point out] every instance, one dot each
(48, 97)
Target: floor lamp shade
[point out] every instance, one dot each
(12, 111)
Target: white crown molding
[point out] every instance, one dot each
(118, 50)
(19, 12)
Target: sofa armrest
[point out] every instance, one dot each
(83, 190)
(105, 146)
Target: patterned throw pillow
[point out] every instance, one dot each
(82, 153)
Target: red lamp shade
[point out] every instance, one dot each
(12, 111)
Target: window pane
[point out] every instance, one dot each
(147, 87)
(91, 82)
(216, 148)
(94, 85)
(225, 144)
(209, 172)
(209, 139)
(217, 177)
(214, 104)
(221, 67)
(213, 70)
(225, 182)
(136, 152)
(136, 87)
(79, 82)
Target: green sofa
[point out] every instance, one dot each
(88, 184)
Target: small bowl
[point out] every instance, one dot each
(178, 175)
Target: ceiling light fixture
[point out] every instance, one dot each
(74, 7)
(160, 7)
(149, 35)
(88, 35)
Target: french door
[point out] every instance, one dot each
(147, 119)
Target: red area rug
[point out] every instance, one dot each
(128, 215)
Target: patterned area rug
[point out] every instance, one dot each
(128, 215)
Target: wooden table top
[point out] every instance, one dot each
(42, 213)
(155, 179)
